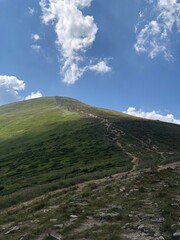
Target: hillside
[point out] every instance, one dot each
(50, 144)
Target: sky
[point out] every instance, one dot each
(121, 55)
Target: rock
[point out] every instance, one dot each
(134, 190)
(59, 225)
(160, 238)
(106, 216)
(122, 189)
(73, 216)
(175, 205)
(157, 234)
(177, 234)
(13, 229)
(53, 220)
(45, 210)
(115, 206)
(56, 235)
(54, 207)
(141, 227)
(158, 220)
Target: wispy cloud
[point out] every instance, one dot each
(35, 37)
(33, 95)
(155, 27)
(36, 48)
(10, 86)
(154, 115)
(75, 34)
(31, 11)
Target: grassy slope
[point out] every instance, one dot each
(50, 143)
(112, 209)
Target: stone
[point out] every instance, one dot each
(141, 227)
(122, 189)
(73, 216)
(53, 220)
(54, 207)
(158, 220)
(160, 238)
(13, 229)
(56, 235)
(177, 234)
(106, 216)
(59, 225)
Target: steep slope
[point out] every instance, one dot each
(50, 143)
(72, 171)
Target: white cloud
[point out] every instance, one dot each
(75, 34)
(35, 37)
(100, 67)
(33, 95)
(31, 11)
(154, 37)
(10, 86)
(154, 115)
(36, 48)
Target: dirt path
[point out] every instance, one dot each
(115, 133)
(79, 186)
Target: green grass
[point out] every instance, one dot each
(52, 142)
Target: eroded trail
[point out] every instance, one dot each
(115, 134)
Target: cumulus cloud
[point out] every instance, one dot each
(10, 86)
(154, 115)
(33, 95)
(154, 34)
(100, 67)
(36, 48)
(35, 37)
(75, 34)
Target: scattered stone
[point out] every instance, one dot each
(56, 235)
(141, 227)
(54, 207)
(160, 238)
(59, 225)
(157, 234)
(45, 210)
(134, 190)
(115, 206)
(158, 220)
(122, 189)
(13, 229)
(106, 216)
(82, 204)
(175, 205)
(177, 234)
(53, 220)
(73, 216)
(21, 238)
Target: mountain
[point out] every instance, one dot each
(50, 144)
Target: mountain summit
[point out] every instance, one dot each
(52, 143)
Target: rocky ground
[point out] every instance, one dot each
(143, 205)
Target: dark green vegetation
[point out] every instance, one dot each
(54, 143)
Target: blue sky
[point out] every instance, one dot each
(122, 55)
